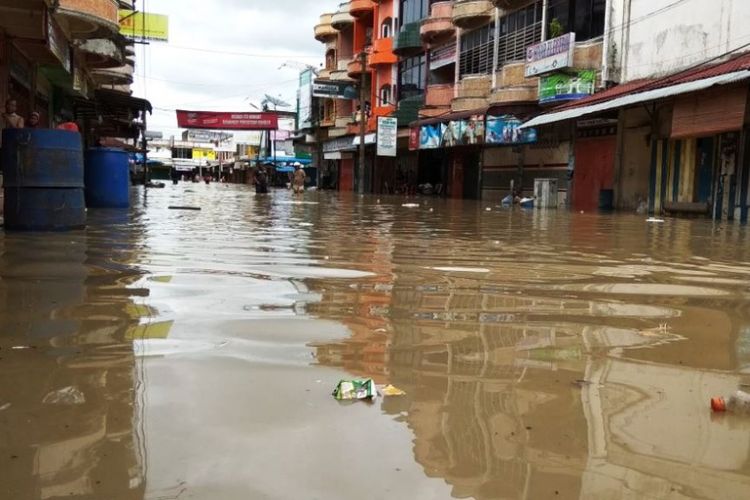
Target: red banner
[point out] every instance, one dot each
(210, 120)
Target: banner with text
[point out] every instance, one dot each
(143, 25)
(558, 87)
(387, 136)
(211, 120)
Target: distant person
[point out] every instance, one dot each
(10, 118)
(67, 123)
(261, 181)
(298, 183)
(34, 120)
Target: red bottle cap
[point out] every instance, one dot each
(718, 404)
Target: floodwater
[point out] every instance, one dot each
(165, 354)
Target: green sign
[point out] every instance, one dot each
(566, 86)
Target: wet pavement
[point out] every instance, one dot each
(168, 354)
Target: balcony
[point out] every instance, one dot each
(102, 53)
(356, 68)
(408, 110)
(90, 18)
(509, 4)
(122, 75)
(361, 8)
(469, 14)
(382, 53)
(341, 73)
(473, 92)
(325, 74)
(439, 25)
(378, 111)
(439, 95)
(324, 31)
(407, 42)
(513, 95)
(588, 55)
(342, 19)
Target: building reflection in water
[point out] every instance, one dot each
(69, 376)
(538, 392)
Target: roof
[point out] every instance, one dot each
(693, 79)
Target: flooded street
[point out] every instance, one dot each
(166, 354)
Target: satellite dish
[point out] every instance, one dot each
(275, 101)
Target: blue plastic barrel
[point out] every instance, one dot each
(43, 174)
(107, 177)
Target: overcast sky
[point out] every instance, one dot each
(203, 66)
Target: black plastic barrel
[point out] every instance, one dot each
(107, 178)
(606, 199)
(43, 174)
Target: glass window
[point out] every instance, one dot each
(412, 76)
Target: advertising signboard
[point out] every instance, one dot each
(466, 132)
(335, 90)
(387, 136)
(212, 120)
(505, 130)
(558, 87)
(549, 56)
(143, 25)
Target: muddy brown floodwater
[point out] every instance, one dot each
(165, 354)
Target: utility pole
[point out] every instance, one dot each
(362, 123)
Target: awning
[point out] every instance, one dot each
(638, 98)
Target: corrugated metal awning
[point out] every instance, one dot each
(638, 98)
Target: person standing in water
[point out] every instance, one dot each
(261, 181)
(298, 183)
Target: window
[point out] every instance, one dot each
(412, 75)
(477, 51)
(585, 17)
(518, 31)
(385, 28)
(413, 11)
(385, 95)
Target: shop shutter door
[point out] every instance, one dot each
(709, 113)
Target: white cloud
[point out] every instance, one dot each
(173, 75)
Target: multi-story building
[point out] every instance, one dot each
(68, 55)
(677, 119)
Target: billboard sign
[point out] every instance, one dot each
(506, 130)
(335, 90)
(549, 56)
(212, 120)
(387, 136)
(558, 87)
(143, 25)
(465, 132)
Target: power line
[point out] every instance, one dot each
(243, 54)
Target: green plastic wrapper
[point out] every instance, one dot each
(355, 389)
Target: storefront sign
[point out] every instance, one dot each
(552, 55)
(204, 154)
(227, 121)
(558, 87)
(143, 25)
(335, 90)
(305, 106)
(338, 144)
(387, 136)
(505, 130)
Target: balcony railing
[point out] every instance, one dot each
(324, 31)
(440, 24)
(408, 42)
(342, 18)
(361, 8)
(90, 18)
(382, 53)
(468, 14)
(439, 95)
